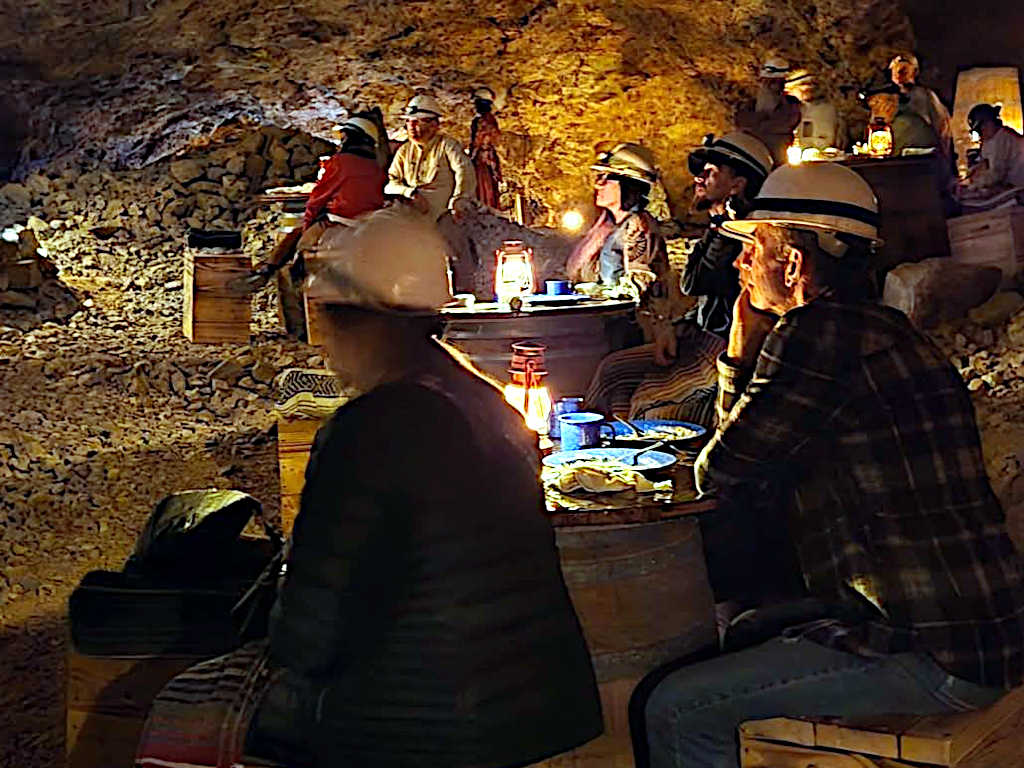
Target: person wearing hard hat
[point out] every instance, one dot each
(775, 113)
(728, 173)
(674, 376)
(484, 138)
(431, 170)
(352, 186)
(353, 181)
(909, 130)
(904, 70)
(647, 380)
(623, 244)
(424, 619)
(911, 598)
(1002, 154)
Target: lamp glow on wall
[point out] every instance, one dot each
(527, 392)
(572, 220)
(513, 272)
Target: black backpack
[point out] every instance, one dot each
(193, 585)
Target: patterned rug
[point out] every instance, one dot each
(308, 393)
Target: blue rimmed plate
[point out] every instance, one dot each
(652, 431)
(650, 460)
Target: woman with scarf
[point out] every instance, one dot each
(624, 241)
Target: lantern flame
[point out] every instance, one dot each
(534, 403)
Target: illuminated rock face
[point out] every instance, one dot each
(149, 75)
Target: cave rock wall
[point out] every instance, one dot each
(131, 81)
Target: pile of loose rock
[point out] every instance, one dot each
(987, 347)
(106, 407)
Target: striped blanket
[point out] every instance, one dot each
(629, 383)
(201, 717)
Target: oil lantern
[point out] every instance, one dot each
(513, 273)
(879, 138)
(527, 392)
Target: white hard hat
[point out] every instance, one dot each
(818, 196)
(775, 68)
(362, 124)
(423, 105)
(394, 260)
(736, 147)
(484, 93)
(633, 161)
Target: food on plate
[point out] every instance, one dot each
(600, 475)
(670, 432)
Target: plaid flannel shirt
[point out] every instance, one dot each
(873, 432)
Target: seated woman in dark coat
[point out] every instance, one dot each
(424, 620)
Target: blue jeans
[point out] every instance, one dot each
(692, 715)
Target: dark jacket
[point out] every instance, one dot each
(424, 620)
(711, 276)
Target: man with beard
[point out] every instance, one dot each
(727, 174)
(914, 594)
(674, 376)
(432, 170)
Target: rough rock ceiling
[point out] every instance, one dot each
(130, 81)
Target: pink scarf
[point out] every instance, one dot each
(582, 265)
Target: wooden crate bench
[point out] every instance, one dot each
(986, 738)
(294, 440)
(993, 238)
(108, 699)
(306, 397)
(214, 314)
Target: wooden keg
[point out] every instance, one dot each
(577, 338)
(913, 226)
(643, 599)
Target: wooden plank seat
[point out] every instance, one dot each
(305, 398)
(108, 699)
(986, 738)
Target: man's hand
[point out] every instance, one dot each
(419, 202)
(750, 327)
(460, 207)
(665, 343)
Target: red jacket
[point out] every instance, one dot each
(351, 185)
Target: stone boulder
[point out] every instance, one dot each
(997, 310)
(935, 290)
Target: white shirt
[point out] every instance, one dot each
(1005, 155)
(441, 171)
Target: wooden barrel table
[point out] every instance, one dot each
(642, 596)
(577, 338)
(913, 225)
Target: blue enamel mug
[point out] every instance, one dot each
(580, 430)
(563, 405)
(558, 287)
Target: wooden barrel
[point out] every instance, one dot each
(913, 226)
(577, 339)
(643, 599)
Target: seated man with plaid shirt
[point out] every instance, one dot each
(918, 605)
